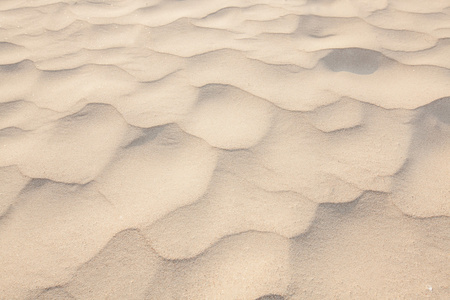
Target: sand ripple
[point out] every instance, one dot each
(203, 149)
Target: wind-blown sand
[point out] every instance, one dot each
(206, 149)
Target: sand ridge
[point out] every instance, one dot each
(199, 149)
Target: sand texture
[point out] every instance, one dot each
(212, 149)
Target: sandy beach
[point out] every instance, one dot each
(211, 149)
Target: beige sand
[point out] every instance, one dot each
(211, 149)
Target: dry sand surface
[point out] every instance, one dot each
(213, 149)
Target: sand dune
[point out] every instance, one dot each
(197, 149)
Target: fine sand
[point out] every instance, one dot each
(212, 149)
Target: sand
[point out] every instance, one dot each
(206, 149)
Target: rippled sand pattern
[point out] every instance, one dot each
(212, 149)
